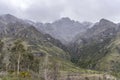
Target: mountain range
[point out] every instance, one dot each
(81, 48)
(63, 29)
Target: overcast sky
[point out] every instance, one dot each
(51, 10)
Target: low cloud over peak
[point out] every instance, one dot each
(50, 10)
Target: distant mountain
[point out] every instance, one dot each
(100, 30)
(98, 48)
(64, 29)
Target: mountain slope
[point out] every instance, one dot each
(64, 29)
(111, 61)
(96, 49)
(18, 29)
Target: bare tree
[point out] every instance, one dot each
(55, 71)
(68, 77)
(19, 50)
(46, 67)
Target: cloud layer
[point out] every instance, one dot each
(50, 10)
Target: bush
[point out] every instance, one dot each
(24, 74)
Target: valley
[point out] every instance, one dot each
(62, 50)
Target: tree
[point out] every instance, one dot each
(6, 57)
(68, 77)
(27, 61)
(1, 46)
(1, 51)
(46, 67)
(18, 49)
(55, 71)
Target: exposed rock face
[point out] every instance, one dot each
(12, 28)
(99, 31)
(64, 29)
(98, 47)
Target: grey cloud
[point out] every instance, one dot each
(4, 8)
(50, 10)
(44, 12)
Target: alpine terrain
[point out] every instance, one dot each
(62, 50)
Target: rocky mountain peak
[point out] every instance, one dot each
(8, 18)
(8, 15)
(64, 20)
(105, 22)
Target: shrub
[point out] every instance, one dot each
(24, 74)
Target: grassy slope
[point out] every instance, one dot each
(111, 62)
(56, 55)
